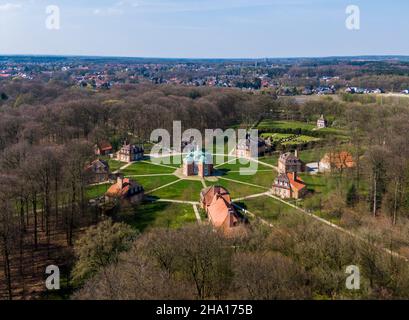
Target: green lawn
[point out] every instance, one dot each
(184, 190)
(96, 191)
(261, 178)
(273, 159)
(289, 139)
(306, 128)
(321, 183)
(153, 182)
(173, 161)
(312, 155)
(237, 190)
(158, 215)
(300, 140)
(115, 164)
(235, 165)
(273, 124)
(142, 168)
(267, 208)
(326, 183)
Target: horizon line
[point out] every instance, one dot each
(206, 58)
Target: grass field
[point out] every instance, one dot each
(153, 182)
(96, 191)
(306, 128)
(270, 159)
(289, 139)
(235, 165)
(313, 155)
(184, 190)
(144, 168)
(173, 161)
(115, 164)
(158, 215)
(273, 124)
(267, 208)
(237, 190)
(261, 178)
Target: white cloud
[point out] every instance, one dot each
(6, 7)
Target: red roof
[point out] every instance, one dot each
(221, 212)
(339, 160)
(104, 146)
(116, 191)
(295, 181)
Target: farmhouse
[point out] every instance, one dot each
(198, 163)
(322, 123)
(97, 171)
(244, 147)
(336, 160)
(125, 190)
(216, 201)
(130, 153)
(289, 162)
(289, 185)
(103, 148)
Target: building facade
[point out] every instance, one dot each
(289, 186)
(97, 171)
(125, 190)
(288, 162)
(221, 213)
(243, 149)
(103, 148)
(130, 153)
(198, 163)
(322, 123)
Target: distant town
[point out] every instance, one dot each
(282, 77)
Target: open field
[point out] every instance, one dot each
(114, 165)
(150, 215)
(153, 182)
(237, 190)
(267, 208)
(308, 131)
(184, 190)
(274, 124)
(144, 168)
(263, 178)
(96, 191)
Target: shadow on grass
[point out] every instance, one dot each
(241, 205)
(221, 172)
(144, 215)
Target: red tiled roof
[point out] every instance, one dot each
(296, 182)
(221, 212)
(116, 191)
(339, 160)
(104, 146)
(209, 193)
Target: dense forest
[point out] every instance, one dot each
(47, 134)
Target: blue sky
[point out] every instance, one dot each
(204, 28)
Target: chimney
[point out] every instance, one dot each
(294, 176)
(296, 153)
